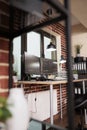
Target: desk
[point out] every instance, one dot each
(51, 84)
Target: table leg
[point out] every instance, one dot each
(61, 102)
(51, 103)
(83, 84)
(21, 85)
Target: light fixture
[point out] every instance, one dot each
(51, 46)
(62, 60)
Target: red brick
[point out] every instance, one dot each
(4, 44)
(4, 57)
(3, 83)
(5, 94)
(4, 70)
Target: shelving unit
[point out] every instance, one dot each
(61, 12)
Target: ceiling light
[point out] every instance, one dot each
(51, 47)
(62, 60)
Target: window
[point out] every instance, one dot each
(17, 56)
(49, 54)
(37, 44)
(46, 42)
(33, 43)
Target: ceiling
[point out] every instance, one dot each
(26, 17)
(79, 12)
(19, 16)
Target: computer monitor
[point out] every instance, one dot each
(32, 64)
(48, 66)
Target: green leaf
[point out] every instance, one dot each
(4, 111)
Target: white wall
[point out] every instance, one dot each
(41, 108)
(79, 36)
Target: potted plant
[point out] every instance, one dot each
(4, 112)
(14, 76)
(78, 48)
(14, 73)
(75, 74)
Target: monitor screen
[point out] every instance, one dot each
(32, 64)
(39, 66)
(48, 66)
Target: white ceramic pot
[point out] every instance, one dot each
(75, 76)
(19, 110)
(78, 55)
(15, 79)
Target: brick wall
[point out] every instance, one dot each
(4, 66)
(59, 29)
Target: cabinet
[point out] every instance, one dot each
(80, 64)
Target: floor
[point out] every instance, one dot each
(64, 123)
(37, 125)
